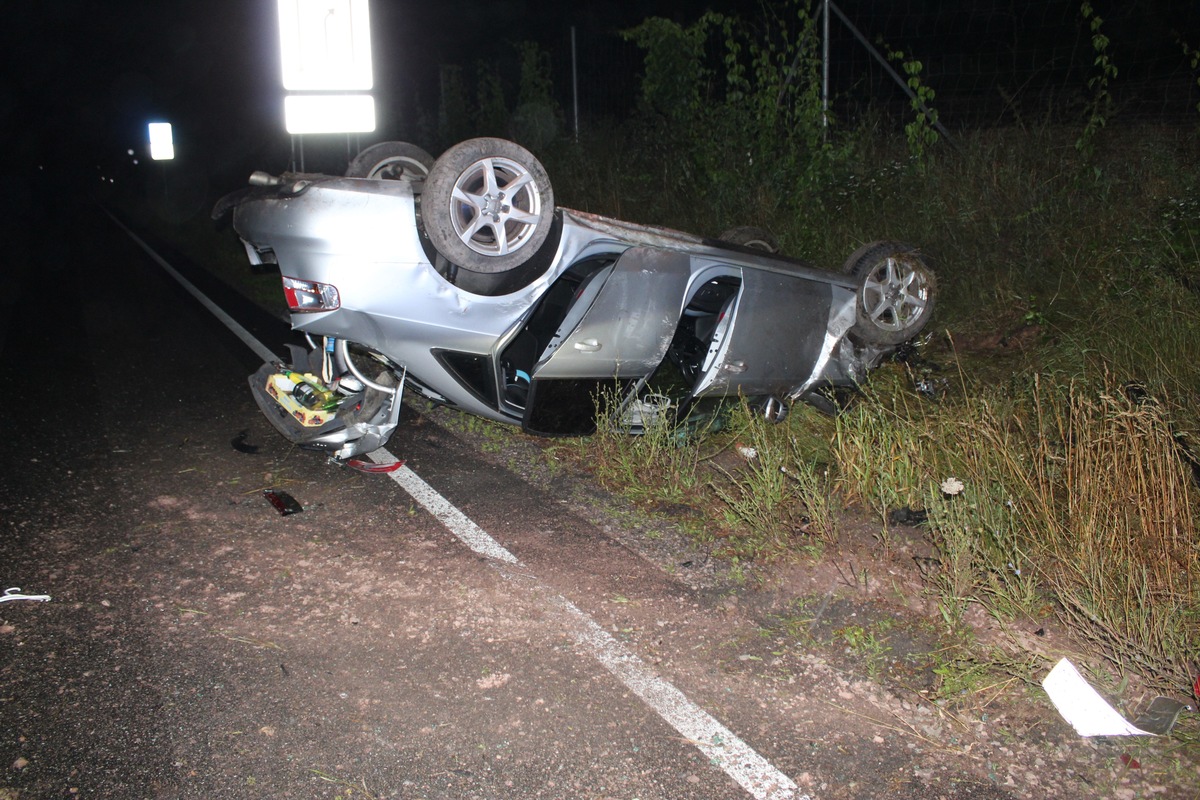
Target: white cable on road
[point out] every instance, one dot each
(15, 594)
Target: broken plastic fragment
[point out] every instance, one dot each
(1082, 706)
(364, 466)
(239, 443)
(908, 517)
(1161, 715)
(284, 503)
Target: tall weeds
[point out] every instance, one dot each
(1076, 501)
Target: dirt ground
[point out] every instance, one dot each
(198, 644)
(861, 618)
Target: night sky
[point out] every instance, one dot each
(80, 80)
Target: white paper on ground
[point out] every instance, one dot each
(1082, 706)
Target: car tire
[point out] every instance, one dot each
(391, 161)
(487, 205)
(752, 237)
(896, 292)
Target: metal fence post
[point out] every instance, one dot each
(574, 83)
(825, 65)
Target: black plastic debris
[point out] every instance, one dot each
(927, 566)
(239, 443)
(908, 517)
(1161, 715)
(284, 503)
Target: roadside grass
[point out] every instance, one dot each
(1063, 371)
(1064, 387)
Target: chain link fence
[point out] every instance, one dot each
(989, 62)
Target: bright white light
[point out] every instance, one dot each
(329, 113)
(162, 146)
(325, 45)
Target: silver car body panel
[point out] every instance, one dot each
(786, 330)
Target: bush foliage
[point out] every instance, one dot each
(1064, 362)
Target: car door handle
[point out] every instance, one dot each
(588, 345)
(735, 367)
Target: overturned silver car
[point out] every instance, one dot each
(460, 279)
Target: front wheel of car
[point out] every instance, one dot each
(487, 205)
(391, 161)
(895, 295)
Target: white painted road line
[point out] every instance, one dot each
(740, 761)
(457, 522)
(719, 744)
(248, 339)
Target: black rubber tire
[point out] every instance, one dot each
(896, 293)
(487, 205)
(391, 161)
(752, 237)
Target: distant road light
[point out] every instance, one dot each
(162, 145)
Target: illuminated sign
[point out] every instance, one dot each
(162, 145)
(329, 113)
(325, 45)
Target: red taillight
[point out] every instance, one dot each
(310, 295)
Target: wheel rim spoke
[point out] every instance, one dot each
(501, 237)
(522, 216)
(490, 187)
(478, 222)
(522, 179)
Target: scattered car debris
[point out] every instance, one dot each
(747, 452)
(1161, 715)
(239, 443)
(908, 517)
(284, 503)
(933, 389)
(1091, 715)
(15, 594)
(928, 566)
(368, 467)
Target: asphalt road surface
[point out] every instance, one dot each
(199, 644)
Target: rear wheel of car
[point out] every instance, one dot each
(391, 161)
(752, 237)
(895, 294)
(487, 205)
